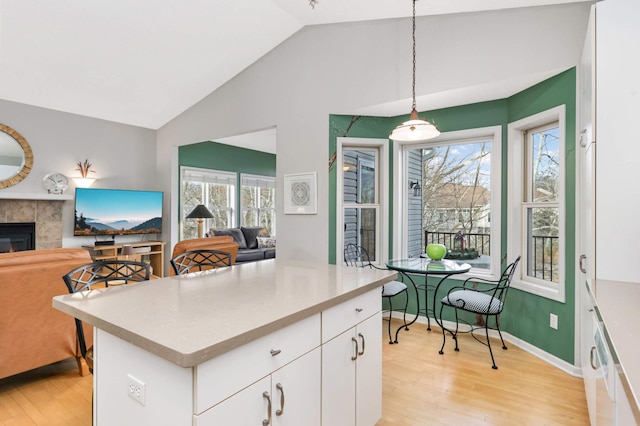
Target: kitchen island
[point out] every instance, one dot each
(277, 341)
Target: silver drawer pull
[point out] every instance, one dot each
(275, 352)
(362, 351)
(359, 309)
(267, 421)
(280, 411)
(355, 356)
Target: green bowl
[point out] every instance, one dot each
(436, 251)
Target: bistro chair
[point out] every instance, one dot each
(483, 297)
(200, 260)
(358, 256)
(102, 273)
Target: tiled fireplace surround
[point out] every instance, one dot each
(47, 215)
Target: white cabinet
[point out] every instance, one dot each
(288, 397)
(352, 363)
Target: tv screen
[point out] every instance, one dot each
(117, 212)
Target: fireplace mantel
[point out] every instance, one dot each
(34, 196)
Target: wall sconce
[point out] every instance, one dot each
(200, 212)
(84, 181)
(416, 188)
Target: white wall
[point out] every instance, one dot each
(617, 140)
(123, 156)
(339, 68)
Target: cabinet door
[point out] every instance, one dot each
(339, 380)
(369, 372)
(248, 407)
(295, 392)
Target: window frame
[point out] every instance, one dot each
(517, 204)
(382, 196)
(206, 177)
(493, 133)
(269, 182)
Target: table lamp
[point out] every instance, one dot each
(200, 212)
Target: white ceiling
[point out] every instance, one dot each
(143, 62)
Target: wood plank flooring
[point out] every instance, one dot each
(420, 387)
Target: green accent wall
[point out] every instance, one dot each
(526, 315)
(227, 158)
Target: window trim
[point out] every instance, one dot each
(400, 249)
(221, 175)
(382, 217)
(517, 241)
(269, 182)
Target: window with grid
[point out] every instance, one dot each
(257, 199)
(216, 190)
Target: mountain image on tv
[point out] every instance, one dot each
(117, 212)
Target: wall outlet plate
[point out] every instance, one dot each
(553, 321)
(136, 389)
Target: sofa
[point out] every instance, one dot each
(32, 333)
(254, 243)
(222, 243)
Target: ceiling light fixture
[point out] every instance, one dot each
(415, 129)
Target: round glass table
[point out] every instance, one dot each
(426, 267)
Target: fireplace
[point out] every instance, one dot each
(17, 237)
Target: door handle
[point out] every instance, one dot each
(361, 337)
(581, 263)
(267, 421)
(280, 411)
(355, 356)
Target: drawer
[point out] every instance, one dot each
(223, 376)
(342, 317)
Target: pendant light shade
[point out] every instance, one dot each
(414, 129)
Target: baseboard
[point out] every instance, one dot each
(525, 346)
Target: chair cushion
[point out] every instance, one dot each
(392, 288)
(473, 301)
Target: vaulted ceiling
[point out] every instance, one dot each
(143, 62)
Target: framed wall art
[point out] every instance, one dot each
(300, 194)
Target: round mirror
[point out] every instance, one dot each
(16, 157)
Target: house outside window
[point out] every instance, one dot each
(537, 202)
(215, 189)
(459, 175)
(257, 199)
(362, 182)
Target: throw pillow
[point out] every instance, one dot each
(251, 233)
(236, 233)
(266, 242)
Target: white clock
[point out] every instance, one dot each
(55, 183)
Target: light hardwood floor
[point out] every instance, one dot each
(420, 387)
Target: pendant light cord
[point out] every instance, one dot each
(413, 105)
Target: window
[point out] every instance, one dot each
(537, 202)
(257, 198)
(459, 175)
(361, 195)
(216, 190)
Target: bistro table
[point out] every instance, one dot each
(425, 266)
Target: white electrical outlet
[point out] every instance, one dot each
(136, 389)
(553, 321)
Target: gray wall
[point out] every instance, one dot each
(345, 67)
(123, 156)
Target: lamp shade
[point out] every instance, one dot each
(414, 130)
(200, 212)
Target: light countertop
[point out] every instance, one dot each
(618, 306)
(192, 318)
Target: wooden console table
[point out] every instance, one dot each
(155, 255)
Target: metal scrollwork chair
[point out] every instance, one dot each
(200, 260)
(358, 256)
(482, 297)
(102, 273)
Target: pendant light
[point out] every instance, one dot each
(415, 129)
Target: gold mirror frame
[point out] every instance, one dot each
(28, 158)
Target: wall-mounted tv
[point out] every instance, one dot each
(117, 212)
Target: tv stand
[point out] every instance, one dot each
(151, 252)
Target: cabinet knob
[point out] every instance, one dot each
(359, 310)
(275, 352)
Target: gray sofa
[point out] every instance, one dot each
(254, 243)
